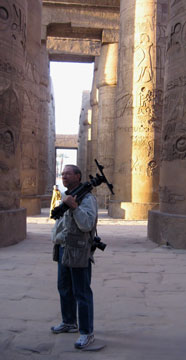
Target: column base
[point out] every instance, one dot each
(45, 200)
(103, 201)
(32, 203)
(13, 226)
(167, 229)
(129, 210)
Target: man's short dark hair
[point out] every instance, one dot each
(75, 169)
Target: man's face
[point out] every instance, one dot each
(69, 178)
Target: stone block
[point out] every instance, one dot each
(13, 226)
(167, 229)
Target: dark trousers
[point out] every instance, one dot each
(75, 292)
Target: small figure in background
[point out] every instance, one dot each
(56, 198)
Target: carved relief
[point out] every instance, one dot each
(29, 183)
(10, 121)
(5, 15)
(29, 156)
(174, 40)
(174, 146)
(145, 97)
(124, 103)
(13, 18)
(11, 69)
(152, 168)
(167, 196)
(143, 59)
(7, 142)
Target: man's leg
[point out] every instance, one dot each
(81, 280)
(67, 299)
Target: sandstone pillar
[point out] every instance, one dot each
(31, 118)
(46, 132)
(13, 24)
(43, 125)
(94, 118)
(139, 108)
(107, 79)
(84, 125)
(51, 141)
(169, 224)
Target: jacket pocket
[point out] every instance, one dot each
(77, 250)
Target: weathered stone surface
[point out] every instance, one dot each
(13, 25)
(106, 84)
(84, 16)
(171, 218)
(139, 102)
(12, 69)
(100, 3)
(51, 141)
(60, 49)
(13, 226)
(165, 228)
(83, 136)
(94, 118)
(31, 112)
(66, 141)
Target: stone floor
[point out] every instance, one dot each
(139, 293)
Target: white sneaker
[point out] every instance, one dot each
(84, 341)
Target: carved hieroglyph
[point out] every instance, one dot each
(139, 101)
(168, 226)
(31, 115)
(12, 68)
(173, 154)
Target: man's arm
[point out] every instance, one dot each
(85, 214)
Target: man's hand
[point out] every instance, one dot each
(71, 201)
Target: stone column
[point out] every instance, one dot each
(139, 108)
(82, 154)
(106, 83)
(168, 226)
(94, 118)
(51, 142)
(13, 25)
(30, 134)
(43, 131)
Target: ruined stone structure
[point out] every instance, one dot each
(24, 116)
(136, 126)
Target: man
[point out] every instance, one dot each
(74, 282)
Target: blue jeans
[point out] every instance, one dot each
(75, 292)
